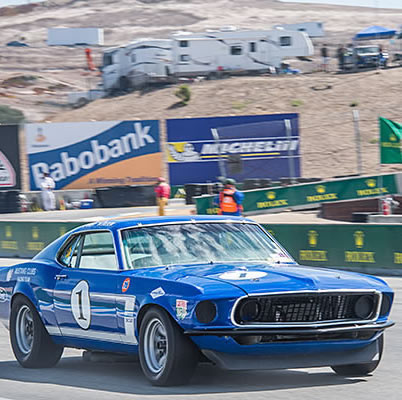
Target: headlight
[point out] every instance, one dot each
(205, 311)
(364, 307)
(249, 310)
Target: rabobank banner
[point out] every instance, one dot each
(199, 150)
(86, 155)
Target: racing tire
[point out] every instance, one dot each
(360, 369)
(124, 84)
(167, 357)
(32, 345)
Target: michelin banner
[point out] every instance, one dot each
(199, 150)
(87, 155)
(9, 158)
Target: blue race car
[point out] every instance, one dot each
(177, 291)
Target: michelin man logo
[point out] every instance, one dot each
(183, 152)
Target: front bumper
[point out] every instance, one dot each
(307, 359)
(311, 330)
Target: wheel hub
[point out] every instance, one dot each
(155, 346)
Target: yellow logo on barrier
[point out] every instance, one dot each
(371, 183)
(8, 231)
(392, 138)
(35, 232)
(320, 189)
(359, 239)
(312, 238)
(271, 195)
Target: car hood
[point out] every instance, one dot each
(258, 278)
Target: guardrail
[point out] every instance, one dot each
(309, 194)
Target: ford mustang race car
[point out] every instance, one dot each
(181, 290)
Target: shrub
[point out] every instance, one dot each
(10, 115)
(184, 94)
(297, 103)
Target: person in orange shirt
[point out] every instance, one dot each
(230, 199)
(162, 191)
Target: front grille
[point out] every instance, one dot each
(305, 308)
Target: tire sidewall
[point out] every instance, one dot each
(24, 359)
(161, 376)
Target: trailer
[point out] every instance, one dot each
(210, 54)
(136, 64)
(75, 36)
(231, 51)
(313, 29)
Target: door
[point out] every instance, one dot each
(85, 291)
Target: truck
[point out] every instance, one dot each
(209, 54)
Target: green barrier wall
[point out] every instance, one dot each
(333, 245)
(25, 239)
(349, 245)
(305, 194)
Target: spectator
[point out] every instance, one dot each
(162, 191)
(48, 198)
(325, 58)
(341, 57)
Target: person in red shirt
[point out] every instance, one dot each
(162, 191)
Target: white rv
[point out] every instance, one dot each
(234, 51)
(135, 64)
(313, 29)
(210, 54)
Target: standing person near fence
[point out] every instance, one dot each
(48, 199)
(230, 199)
(325, 58)
(162, 191)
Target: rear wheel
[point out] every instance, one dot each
(361, 369)
(31, 344)
(167, 357)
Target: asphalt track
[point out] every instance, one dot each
(74, 379)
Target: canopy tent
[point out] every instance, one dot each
(375, 32)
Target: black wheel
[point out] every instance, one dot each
(361, 369)
(32, 345)
(167, 357)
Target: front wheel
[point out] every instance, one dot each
(361, 369)
(32, 345)
(167, 357)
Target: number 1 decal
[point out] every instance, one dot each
(81, 304)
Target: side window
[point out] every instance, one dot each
(184, 58)
(235, 50)
(183, 43)
(68, 257)
(285, 41)
(98, 252)
(253, 47)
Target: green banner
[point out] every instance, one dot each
(390, 141)
(25, 239)
(342, 245)
(305, 194)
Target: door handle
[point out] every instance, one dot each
(60, 277)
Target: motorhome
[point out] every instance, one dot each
(136, 64)
(210, 54)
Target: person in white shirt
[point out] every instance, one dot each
(48, 198)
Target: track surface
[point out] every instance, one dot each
(74, 379)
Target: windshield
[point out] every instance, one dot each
(367, 50)
(199, 243)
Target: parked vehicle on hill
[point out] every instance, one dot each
(177, 290)
(210, 54)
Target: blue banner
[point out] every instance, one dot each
(87, 155)
(199, 150)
